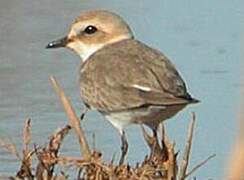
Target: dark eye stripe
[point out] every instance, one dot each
(90, 29)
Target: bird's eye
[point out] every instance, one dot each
(90, 29)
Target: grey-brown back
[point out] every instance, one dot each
(109, 76)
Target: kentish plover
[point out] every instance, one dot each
(121, 77)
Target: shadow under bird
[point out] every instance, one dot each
(122, 78)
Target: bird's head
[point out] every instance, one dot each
(93, 30)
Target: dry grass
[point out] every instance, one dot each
(90, 166)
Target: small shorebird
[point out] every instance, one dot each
(124, 79)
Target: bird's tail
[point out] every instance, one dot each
(191, 99)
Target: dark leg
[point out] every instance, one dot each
(160, 153)
(156, 149)
(157, 152)
(155, 134)
(124, 148)
(148, 138)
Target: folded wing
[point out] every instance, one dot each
(130, 74)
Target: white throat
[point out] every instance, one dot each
(89, 51)
(85, 51)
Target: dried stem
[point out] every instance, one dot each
(73, 119)
(150, 140)
(187, 151)
(57, 138)
(172, 164)
(164, 141)
(48, 156)
(161, 164)
(26, 134)
(11, 148)
(26, 166)
(199, 165)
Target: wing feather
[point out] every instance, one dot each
(109, 76)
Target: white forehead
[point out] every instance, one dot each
(77, 28)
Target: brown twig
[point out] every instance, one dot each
(65, 160)
(57, 138)
(187, 151)
(26, 134)
(48, 155)
(157, 153)
(172, 164)
(11, 148)
(150, 140)
(26, 165)
(164, 141)
(91, 165)
(73, 119)
(199, 165)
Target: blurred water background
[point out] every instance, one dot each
(202, 38)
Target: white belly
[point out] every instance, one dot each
(122, 119)
(150, 116)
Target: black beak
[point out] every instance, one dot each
(58, 43)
